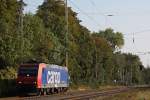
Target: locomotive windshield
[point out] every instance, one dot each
(28, 71)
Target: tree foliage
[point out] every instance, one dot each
(8, 32)
(115, 39)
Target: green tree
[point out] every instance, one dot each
(115, 39)
(52, 13)
(102, 59)
(8, 32)
(40, 43)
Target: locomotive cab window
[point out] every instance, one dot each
(28, 71)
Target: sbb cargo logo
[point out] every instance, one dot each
(53, 77)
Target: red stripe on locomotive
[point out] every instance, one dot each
(39, 78)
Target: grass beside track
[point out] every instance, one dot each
(136, 94)
(104, 87)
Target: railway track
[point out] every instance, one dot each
(95, 94)
(80, 95)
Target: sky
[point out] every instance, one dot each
(131, 17)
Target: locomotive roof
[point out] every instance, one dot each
(47, 65)
(28, 64)
(56, 66)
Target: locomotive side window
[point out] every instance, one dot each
(28, 71)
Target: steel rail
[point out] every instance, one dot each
(95, 94)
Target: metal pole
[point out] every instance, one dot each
(131, 75)
(106, 18)
(66, 35)
(21, 28)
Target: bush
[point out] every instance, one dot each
(7, 87)
(7, 81)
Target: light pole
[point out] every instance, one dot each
(22, 4)
(66, 35)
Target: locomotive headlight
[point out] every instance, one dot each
(34, 82)
(19, 82)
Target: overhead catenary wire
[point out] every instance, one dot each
(138, 32)
(105, 15)
(92, 2)
(99, 13)
(81, 11)
(94, 5)
(135, 33)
